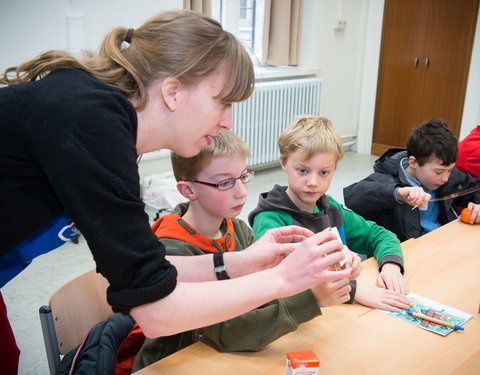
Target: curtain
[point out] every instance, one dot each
(281, 31)
(201, 6)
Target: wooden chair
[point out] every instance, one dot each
(72, 311)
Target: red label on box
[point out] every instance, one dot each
(305, 358)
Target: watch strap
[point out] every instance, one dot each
(219, 267)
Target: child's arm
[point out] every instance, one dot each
(372, 194)
(391, 277)
(263, 325)
(380, 298)
(266, 220)
(259, 327)
(366, 237)
(414, 196)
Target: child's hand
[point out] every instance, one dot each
(355, 263)
(381, 298)
(391, 278)
(473, 212)
(332, 293)
(413, 195)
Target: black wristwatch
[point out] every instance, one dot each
(219, 266)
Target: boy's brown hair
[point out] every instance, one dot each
(313, 134)
(433, 139)
(227, 144)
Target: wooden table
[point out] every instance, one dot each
(443, 265)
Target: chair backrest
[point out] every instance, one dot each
(73, 310)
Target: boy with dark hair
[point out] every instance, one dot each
(415, 177)
(310, 148)
(214, 183)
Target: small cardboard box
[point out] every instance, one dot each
(304, 362)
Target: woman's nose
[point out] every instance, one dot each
(226, 120)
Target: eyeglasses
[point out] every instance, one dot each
(229, 182)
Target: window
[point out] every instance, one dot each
(246, 27)
(246, 20)
(240, 17)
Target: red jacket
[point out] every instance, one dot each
(469, 153)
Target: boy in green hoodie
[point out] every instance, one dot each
(309, 151)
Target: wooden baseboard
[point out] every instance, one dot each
(379, 148)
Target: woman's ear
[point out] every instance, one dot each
(185, 188)
(169, 89)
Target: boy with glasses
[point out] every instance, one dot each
(214, 182)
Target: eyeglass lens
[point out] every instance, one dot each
(230, 182)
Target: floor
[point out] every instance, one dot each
(32, 288)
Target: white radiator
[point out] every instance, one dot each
(260, 119)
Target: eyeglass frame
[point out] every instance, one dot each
(249, 172)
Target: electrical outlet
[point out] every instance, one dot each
(340, 24)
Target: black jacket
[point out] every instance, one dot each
(373, 197)
(97, 355)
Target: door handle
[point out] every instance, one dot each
(427, 62)
(415, 62)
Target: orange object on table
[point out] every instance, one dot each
(465, 216)
(303, 362)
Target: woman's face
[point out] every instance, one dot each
(200, 116)
(183, 118)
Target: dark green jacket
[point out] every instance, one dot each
(251, 331)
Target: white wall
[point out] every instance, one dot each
(338, 54)
(347, 59)
(29, 27)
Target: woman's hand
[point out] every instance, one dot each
(310, 263)
(268, 251)
(299, 258)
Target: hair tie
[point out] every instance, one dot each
(128, 37)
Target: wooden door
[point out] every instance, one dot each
(424, 61)
(447, 60)
(399, 75)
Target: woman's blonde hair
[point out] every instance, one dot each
(227, 144)
(312, 134)
(180, 44)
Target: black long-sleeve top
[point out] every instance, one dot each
(67, 143)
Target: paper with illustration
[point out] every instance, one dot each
(432, 309)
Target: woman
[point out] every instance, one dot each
(70, 134)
